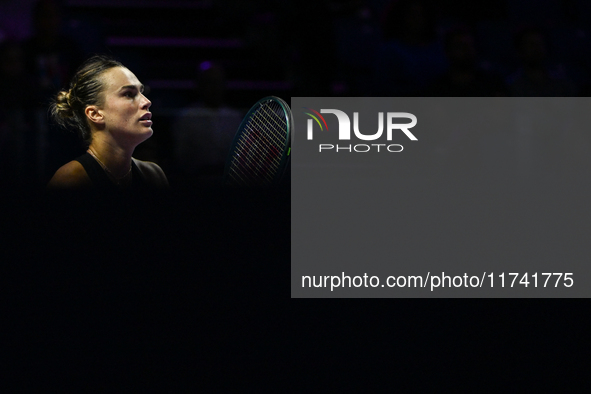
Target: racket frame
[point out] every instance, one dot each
(285, 154)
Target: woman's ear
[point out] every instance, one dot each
(95, 115)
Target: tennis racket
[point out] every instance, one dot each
(260, 152)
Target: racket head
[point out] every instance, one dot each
(260, 152)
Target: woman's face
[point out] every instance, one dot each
(125, 109)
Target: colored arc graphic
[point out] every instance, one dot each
(316, 119)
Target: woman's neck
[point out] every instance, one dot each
(115, 158)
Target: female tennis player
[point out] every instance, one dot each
(106, 106)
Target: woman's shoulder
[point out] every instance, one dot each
(151, 172)
(70, 175)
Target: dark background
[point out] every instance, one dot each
(194, 284)
(283, 48)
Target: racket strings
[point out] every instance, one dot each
(258, 153)
(253, 153)
(278, 127)
(253, 128)
(255, 162)
(246, 167)
(250, 146)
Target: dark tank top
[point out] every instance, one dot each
(100, 179)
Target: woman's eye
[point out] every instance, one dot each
(130, 94)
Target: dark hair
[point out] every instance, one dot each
(68, 107)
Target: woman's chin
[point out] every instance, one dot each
(145, 134)
(133, 138)
(138, 137)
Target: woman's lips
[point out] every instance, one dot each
(146, 119)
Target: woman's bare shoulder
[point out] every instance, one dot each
(70, 175)
(152, 172)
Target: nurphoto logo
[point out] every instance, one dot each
(344, 132)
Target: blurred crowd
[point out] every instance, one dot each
(404, 48)
(458, 48)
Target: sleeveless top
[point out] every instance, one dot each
(100, 179)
